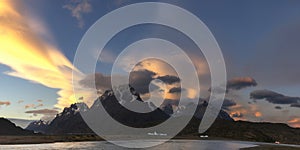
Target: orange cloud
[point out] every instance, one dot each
(162, 68)
(238, 112)
(31, 58)
(245, 112)
(33, 106)
(237, 116)
(7, 103)
(29, 106)
(295, 122)
(257, 114)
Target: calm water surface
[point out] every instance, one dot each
(170, 145)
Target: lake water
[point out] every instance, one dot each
(103, 145)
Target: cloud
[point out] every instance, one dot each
(273, 97)
(29, 106)
(294, 122)
(237, 115)
(106, 56)
(48, 114)
(258, 114)
(33, 106)
(42, 111)
(32, 58)
(39, 105)
(78, 8)
(236, 84)
(244, 111)
(102, 82)
(295, 105)
(168, 79)
(278, 107)
(164, 70)
(170, 102)
(227, 103)
(176, 90)
(137, 79)
(140, 80)
(20, 101)
(7, 103)
(240, 83)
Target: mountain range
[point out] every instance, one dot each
(70, 122)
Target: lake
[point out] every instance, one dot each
(170, 145)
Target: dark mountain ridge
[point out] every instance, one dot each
(9, 128)
(70, 121)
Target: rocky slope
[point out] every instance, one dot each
(39, 126)
(9, 128)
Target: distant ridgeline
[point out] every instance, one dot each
(69, 121)
(9, 128)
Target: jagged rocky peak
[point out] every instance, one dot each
(40, 122)
(127, 93)
(74, 108)
(82, 107)
(168, 109)
(201, 107)
(123, 93)
(39, 126)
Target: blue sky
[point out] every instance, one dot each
(259, 39)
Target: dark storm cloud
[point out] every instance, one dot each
(98, 79)
(296, 105)
(141, 79)
(170, 102)
(219, 90)
(227, 103)
(240, 83)
(273, 97)
(236, 84)
(176, 90)
(168, 79)
(278, 107)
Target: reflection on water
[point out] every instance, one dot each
(170, 145)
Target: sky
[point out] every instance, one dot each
(259, 41)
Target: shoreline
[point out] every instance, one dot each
(46, 139)
(271, 147)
